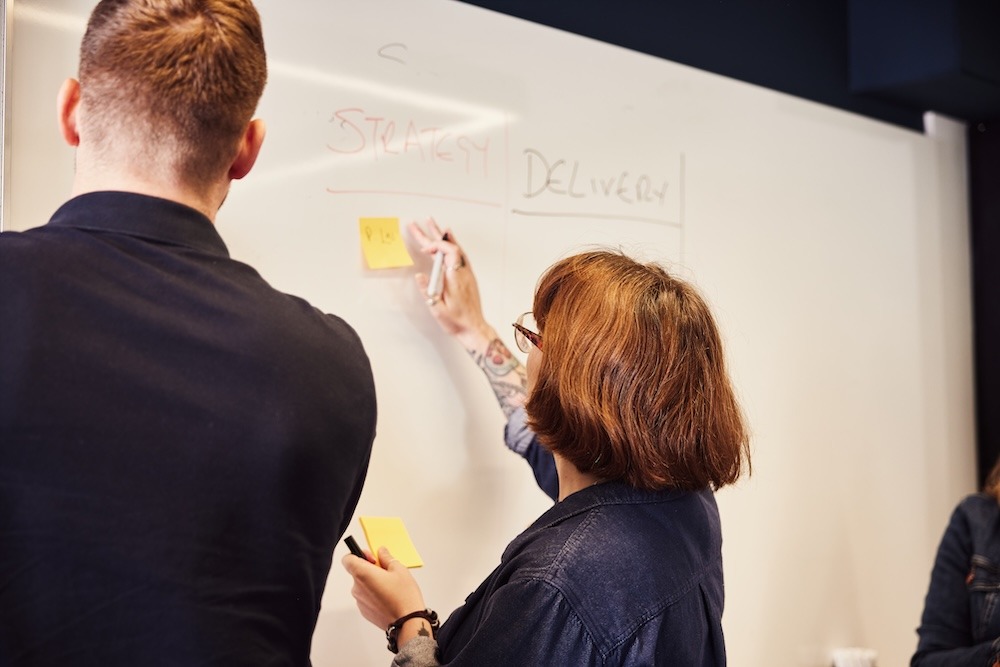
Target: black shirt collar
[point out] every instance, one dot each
(142, 216)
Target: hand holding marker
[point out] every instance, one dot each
(352, 544)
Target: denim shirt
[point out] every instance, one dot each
(960, 624)
(611, 575)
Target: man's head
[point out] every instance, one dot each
(171, 83)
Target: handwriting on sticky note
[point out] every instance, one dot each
(382, 244)
(389, 532)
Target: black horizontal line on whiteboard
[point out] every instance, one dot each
(425, 195)
(596, 216)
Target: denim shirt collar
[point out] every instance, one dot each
(584, 500)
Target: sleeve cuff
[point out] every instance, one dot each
(516, 434)
(418, 652)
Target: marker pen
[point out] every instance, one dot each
(436, 282)
(352, 544)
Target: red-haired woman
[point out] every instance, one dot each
(627, 398)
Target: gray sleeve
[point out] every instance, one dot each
(418, 652)
(521, 440)
(516, 435)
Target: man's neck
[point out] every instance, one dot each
(207, 204)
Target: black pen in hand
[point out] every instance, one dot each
(352, 544)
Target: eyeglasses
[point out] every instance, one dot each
(525, 337)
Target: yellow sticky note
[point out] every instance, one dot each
(382, 244)
(389, 531)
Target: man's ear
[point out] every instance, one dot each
(250, 145)
(67, 102)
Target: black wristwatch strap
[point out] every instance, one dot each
(393, 629)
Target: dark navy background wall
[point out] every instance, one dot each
(795, 47)
(888, 59)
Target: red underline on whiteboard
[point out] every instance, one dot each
(596, 216)
(402, 193)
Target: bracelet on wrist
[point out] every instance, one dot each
(392, 632)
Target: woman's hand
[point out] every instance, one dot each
(458, 310)
(384, 592)
(460, 313)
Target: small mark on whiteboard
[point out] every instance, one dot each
(394, 51)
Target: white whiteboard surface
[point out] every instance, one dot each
(833, 249)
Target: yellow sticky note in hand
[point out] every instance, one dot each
(389, 532)
(382, 244)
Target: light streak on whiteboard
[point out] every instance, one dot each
(484, 117)
(480, 119)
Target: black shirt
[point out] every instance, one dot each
(181, 445)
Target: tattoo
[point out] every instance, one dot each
(507, 376)
(423, 631)
(509, 396)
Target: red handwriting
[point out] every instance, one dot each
(561, 177)
(356, 131)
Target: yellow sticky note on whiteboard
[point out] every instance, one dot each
(389, 531)
(382, 244)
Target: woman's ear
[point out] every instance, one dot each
(67, 102)
(250, 145)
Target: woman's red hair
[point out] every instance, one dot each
(632, 385)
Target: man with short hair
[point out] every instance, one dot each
(181, 445)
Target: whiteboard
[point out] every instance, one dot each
(833, 249)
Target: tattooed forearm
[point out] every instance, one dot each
(497, 360)
(424, 631)
(510, 397)
(506, 375)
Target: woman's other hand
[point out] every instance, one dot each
(384, 592)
